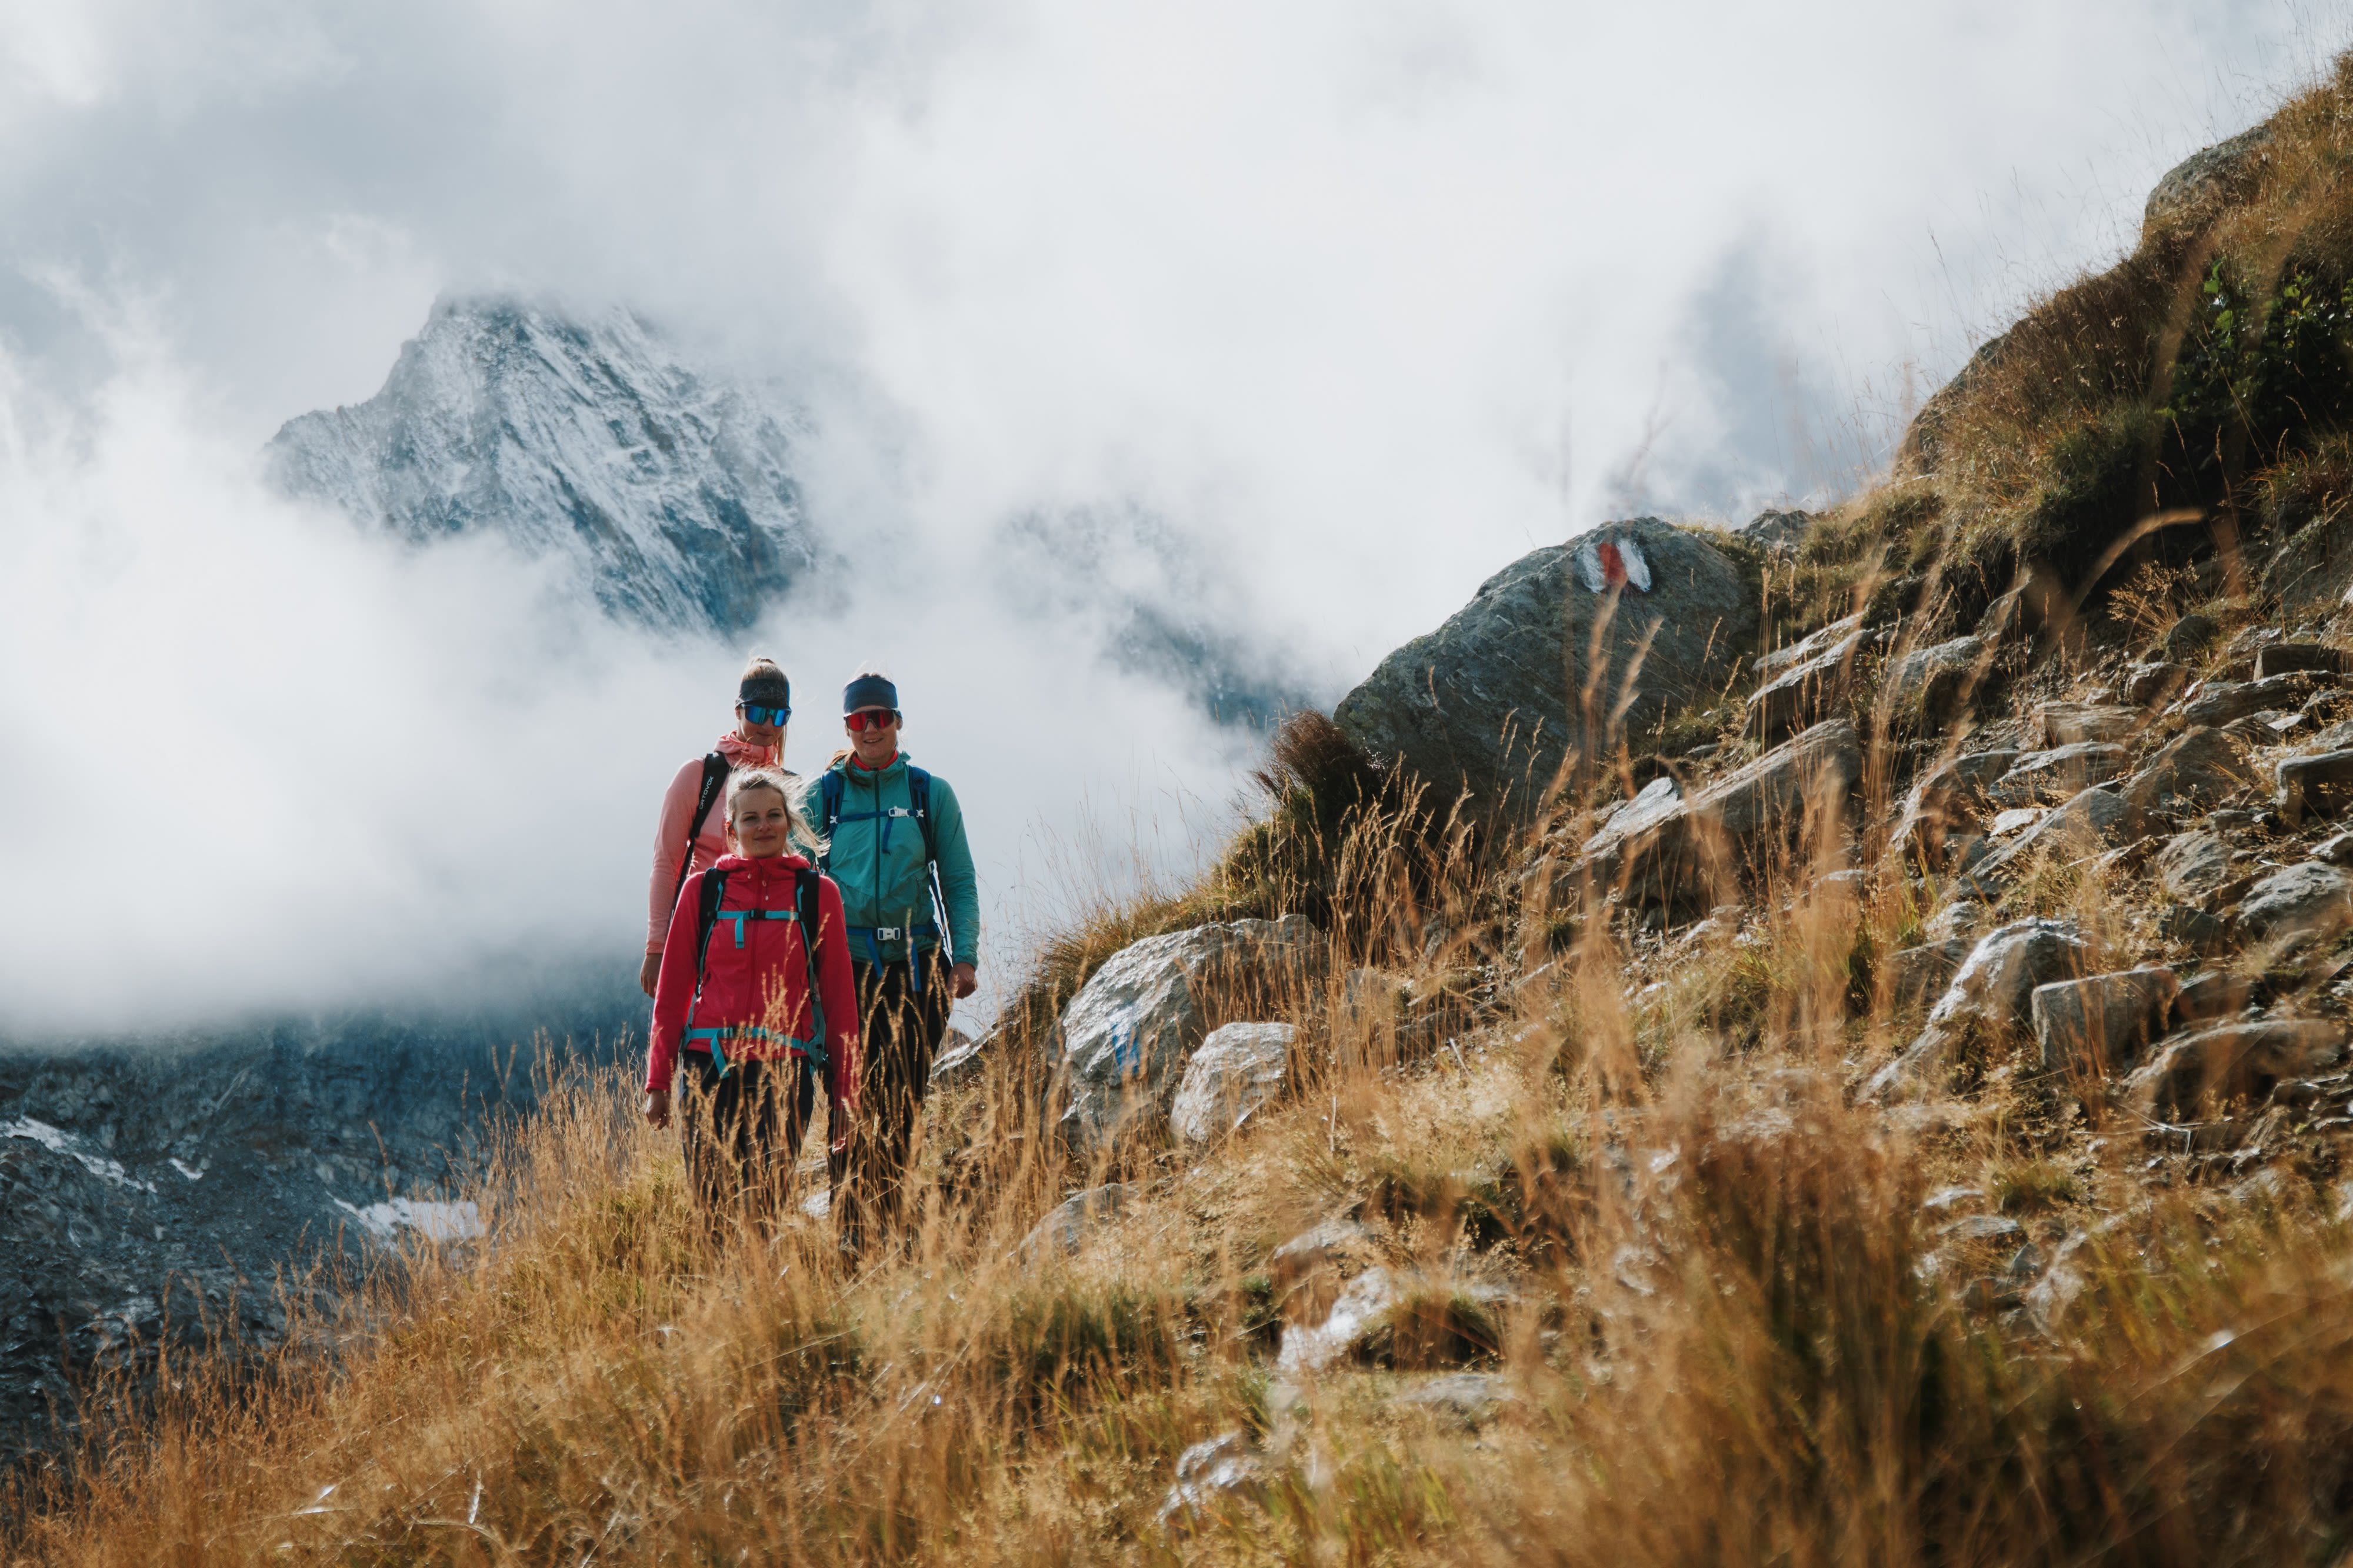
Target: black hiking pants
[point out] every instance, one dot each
(903, 1011)
(743, 1133)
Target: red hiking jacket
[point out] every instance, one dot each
(755, 980)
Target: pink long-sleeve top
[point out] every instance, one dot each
(670, 830)
(752, 979)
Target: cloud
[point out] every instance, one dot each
(1355, 299)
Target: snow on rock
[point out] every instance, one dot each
(59, 1142)
(588, 440)
(460, 1221)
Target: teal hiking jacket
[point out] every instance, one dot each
(877, 862)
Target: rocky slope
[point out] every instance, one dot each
(669, 493)
(157, 1191)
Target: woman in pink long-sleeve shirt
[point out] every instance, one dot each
(764, 701)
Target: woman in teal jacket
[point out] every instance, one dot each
(894, 842)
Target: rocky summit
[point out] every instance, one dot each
(665, 491)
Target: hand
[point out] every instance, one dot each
(657, 1108)
(838, 1124)
(649, 971)
(965, 981)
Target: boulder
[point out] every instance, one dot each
(1239, 1068)
(2302, 903)
(2285, 658)
(1128, 1032)
(2320, 782)
(2076, 831)
(1988, 994)
(2087, 1028)
(1807, 693)
(2078, 723)
(2062, 771)
(2189, 637)
(1942, 804)
(1775, 531)
(2200, 1073)
(1494, 700)
(2154, 685)
(1330, 1244)
(1653, 804)
(2336, 850)
(1930, 688)
(2197, 767)
(2199, 185)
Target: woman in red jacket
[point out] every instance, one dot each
(733, 1005)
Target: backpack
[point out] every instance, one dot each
(715, 769)
(830, 787)
(707, 918)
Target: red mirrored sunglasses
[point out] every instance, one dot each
(871, 719)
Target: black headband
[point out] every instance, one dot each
(870, 691)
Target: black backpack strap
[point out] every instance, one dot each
(713, 887)
(829, 799)
(714, 778)
(806, 905)
(919, 795)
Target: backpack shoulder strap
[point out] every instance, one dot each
(715, 769)
(713, 887)
(829, 811)
(806, 906)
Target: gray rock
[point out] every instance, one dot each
(1989, 993)
(960, 1061)
(1931, 687)
(2062, 771)
(1653, 804)
(2189, 637)
(1943, 804)
(1227, 1465)
(1239, 1068)
(2077, 723)
(2305, 903)
(2154, 685)
(1807, 693)
(1362, 1308)
(1960, 917)
(1725, 825)
(1768, 666)
(1923, 972)
(1065, 1226)
(2076, 831)
(2319, 783)
(2210, 998)
(2201, 185)
(1324, 1246)
(2196, 767)
(1468, 1397)
(2219, 701)
(2192, 864)
(1494, 700)
(2090, 1027)
(2285, 658)
(1777, 531)
(2213, 1068)
(2336, 851)
(1128, 1032)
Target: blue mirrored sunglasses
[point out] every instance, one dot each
(755, 714)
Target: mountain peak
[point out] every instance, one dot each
(584, 437)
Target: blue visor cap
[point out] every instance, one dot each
(869, 691)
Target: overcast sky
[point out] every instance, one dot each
(1366, 297)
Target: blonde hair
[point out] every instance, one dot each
(745, 780)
